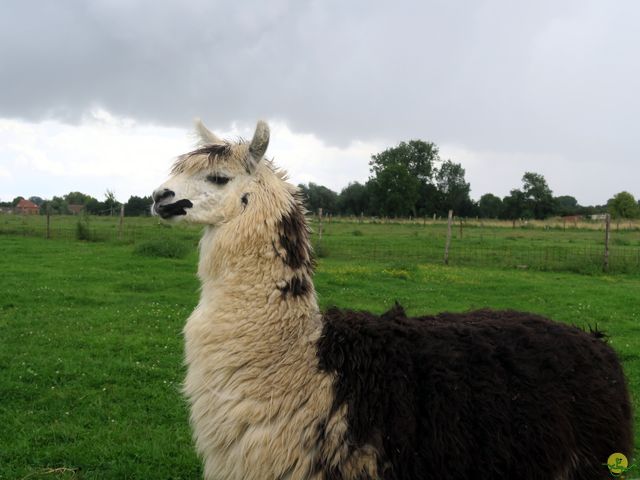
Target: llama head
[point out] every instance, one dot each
(212, 184)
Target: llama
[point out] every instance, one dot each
(279, 390)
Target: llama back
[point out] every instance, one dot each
(482, 394)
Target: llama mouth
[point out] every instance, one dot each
(173, 209)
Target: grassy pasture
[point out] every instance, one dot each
(91, 346)
(476, 244)
(535, 245)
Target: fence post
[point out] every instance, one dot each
(460, 227)
(607, 228)
(319, 227)
(121, 222)
(48, 222)
(448, 243)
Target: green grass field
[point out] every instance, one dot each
(91, 344)
(532, 246)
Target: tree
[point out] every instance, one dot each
(429, 200)
(110, 202)
(537, 194)
(515, 206)
(565, 205)
(138, 206)
(318, 196)
(78, 198)
(417, 156)
(56, 205)
(16, 201)
(353, 199)
(37, 200)
(490, 206)
(623, 205)
(395, 192)
(454, 190)
(399, 176)
(95, 207)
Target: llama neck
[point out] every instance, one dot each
(269, 259)
(253, 375)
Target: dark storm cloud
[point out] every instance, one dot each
(532, 77)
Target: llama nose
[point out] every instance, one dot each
(162, 194)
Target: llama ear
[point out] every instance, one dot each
(206, 136)
(260, 141)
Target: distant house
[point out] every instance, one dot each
(599, 216)
(27, 207)
(75, 209)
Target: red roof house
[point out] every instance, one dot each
(27, 207)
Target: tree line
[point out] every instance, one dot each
(408, 180)
(411, 180)
(64, 205)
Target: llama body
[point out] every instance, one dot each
(280, 391)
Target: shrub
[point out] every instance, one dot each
(83, 232)
(167, 248)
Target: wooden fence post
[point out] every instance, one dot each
(121, 222)
(446, 246)
(461, 227)
(48, 222)
(319, 226)
(607, 228)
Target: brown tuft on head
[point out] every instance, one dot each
(222, 149)
(211, 153)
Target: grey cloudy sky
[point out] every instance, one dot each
(503, 87)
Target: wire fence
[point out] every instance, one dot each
(129, 230)
(555, 258)
(539, 247)
(575, 250)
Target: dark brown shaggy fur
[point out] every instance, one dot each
(296, 287)
(293, 235)
(212, 151)
(478, 395)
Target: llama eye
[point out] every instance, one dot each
(218, 180)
